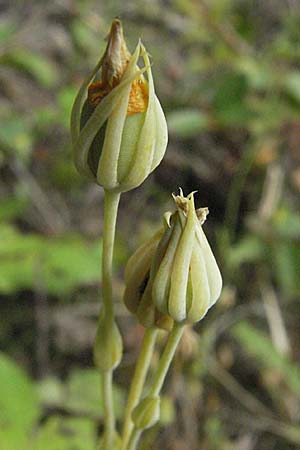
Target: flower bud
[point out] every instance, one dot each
(108, 346)
(146, 413)
(119, 131)
(188, 281)
(138, 295)
(174, 276)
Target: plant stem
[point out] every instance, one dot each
(138, 381)
(111, 202)
(160, 375)
(166, 359)
(134, 438)
(109, 417)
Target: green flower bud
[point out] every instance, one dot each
(146, 413)
(138, 281)
(119, 132)
(174, 276)
(188, 281)
(108, 346)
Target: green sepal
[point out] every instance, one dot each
(181, 264)
(162, 278)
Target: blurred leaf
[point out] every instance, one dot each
(89, 382)
(85, 37)
(45, 116)
(64, 175)
(66, 433)
(292, 85)
(19, 408)
(258, 74)
(7, 29)
(15, 134)
(40, 67)
(51, 392)
(269, 114)
(58, 263)
(187, 123)
(12, 207)
(286, 253)
(65, 101)
(249, 249)
(18, 259)
(12, 439)
(216, 433)
(69, 262)
(230, 106)
(286, 263)
(260, 346)
(287, 224)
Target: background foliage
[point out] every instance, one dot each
(227, 74)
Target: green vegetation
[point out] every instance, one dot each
(227, 74)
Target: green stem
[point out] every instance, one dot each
(134, 438)
(109, 417)
(111, 202)
(138, 381)
(166, 359)
(160, 375)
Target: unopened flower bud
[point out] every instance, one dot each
(138, 294)
(174, 276)
(146, 413)
(119, 131)
(108, 346)
(188, 281)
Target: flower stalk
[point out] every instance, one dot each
(138, 381)
(166, 359)
(111, 203)
(108, 408)
(108, 344)
(147, 412)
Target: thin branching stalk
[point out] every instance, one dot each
(166, 359)
(138, 381)
(134, 438)
(160, 375)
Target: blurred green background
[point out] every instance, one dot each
(227, 74)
